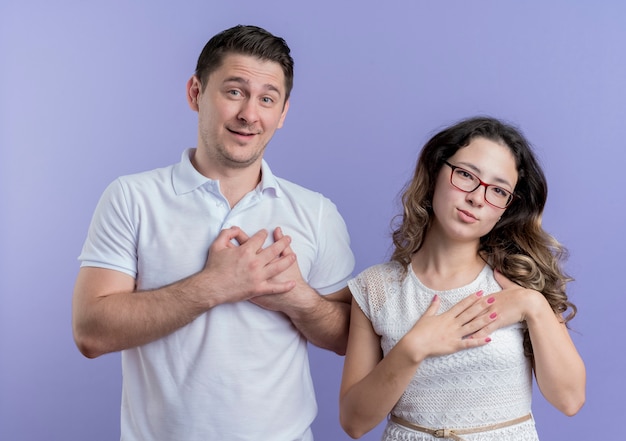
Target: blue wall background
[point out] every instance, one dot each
(93, 90)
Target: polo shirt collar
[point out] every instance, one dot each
(268, 180)
(185, 177)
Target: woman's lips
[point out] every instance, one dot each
(467, 216)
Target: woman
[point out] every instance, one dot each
(441, 338)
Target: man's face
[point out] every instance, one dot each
(240, 108)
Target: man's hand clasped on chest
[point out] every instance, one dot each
(241, 272)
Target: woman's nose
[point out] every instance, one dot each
(478, 196)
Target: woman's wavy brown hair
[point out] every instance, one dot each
(517, 246)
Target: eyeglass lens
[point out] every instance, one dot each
(469, 182)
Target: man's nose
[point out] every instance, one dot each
(248, 112)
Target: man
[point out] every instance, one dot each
(213, 323)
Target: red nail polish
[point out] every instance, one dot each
(479, 293)
(493, 315)
(434, 298)
(491, 299)
(487, 340)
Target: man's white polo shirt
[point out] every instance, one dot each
(238, 372)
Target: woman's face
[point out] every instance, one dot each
(467, 216)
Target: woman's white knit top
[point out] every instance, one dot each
(471, 388)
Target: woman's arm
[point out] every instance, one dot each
(559, 369)
(371, 385)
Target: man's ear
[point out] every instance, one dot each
(193, 92)
(284, 114)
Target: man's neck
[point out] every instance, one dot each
(235, 183)
(235, 187)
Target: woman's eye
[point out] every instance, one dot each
(500, 192)
(465, 174)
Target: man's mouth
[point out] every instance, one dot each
(243, 132)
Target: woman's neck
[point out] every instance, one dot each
(443, 265)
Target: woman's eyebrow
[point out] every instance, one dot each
(478, 171)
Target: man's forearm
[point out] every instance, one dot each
(122, 319)
(325, 324)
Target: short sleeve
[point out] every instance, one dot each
(334, 262)
(112, 236)
(374, 286)
(358, 288)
